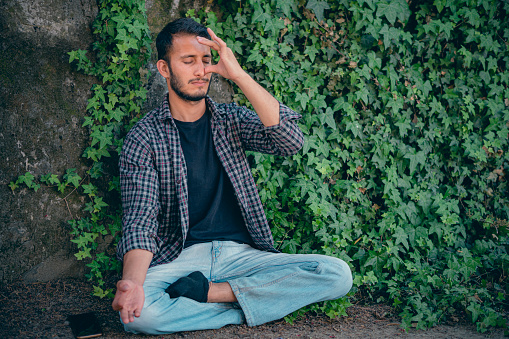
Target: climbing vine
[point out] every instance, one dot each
(119, 55)
(403, 171)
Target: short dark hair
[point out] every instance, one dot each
(182, 26)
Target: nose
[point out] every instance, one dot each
(199, 70)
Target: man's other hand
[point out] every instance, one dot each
(128, 300)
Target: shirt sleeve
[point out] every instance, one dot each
(284, 139)
(139, 188)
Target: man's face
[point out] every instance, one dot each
(187, 61)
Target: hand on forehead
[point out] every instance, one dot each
(188, 45)
(216, 43)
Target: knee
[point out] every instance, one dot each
(142, 324)
(146, 323)
(340, 276)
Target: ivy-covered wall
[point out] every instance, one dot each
(403, 172)
(42, 107)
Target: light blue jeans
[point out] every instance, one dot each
(268, 286)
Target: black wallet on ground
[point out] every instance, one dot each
(85, 325)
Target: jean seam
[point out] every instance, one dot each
(217, 248)
(243, 274)
(270, 283)
(239, 291)
(240, 299)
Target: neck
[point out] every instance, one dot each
(183, 110)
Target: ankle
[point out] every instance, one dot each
(220, 293)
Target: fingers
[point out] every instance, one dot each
(216, 38)
(127, 314)
(211, 69)
(216, 43)
(115, 305)
(124, 315)
(212, 44)
(116, 301)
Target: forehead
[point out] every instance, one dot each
(188, 45)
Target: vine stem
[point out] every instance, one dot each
(65, 198)
(67, 204)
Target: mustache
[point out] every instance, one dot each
(199, 79)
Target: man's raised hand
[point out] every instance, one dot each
(265, 105)
(228, 66)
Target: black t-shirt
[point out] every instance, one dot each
(214, 213)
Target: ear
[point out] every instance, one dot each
(163, 68)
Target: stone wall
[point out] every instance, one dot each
(42, 108)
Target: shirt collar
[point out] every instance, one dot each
(217, 112)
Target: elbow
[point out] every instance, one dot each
(296, 144)
(300, 142)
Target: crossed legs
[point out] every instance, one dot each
(248, 285)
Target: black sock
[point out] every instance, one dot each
(195, 286)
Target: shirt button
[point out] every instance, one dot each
(178, 181)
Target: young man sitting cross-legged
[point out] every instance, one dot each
(196, 247)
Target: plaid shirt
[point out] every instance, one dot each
(153, 175)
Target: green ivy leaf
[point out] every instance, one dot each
(117, 114)
(85, 253)
(395, 9)
(362, 94)
(391, 35)
(260, 15)
(416, 158)
(89, 189)
(287, 7)
(27, 179)
(137, 28)
(122, 35)
(311, 51)
(302, 98)
(121, 21)
(401, 237)
(13, 186)
(81, 242)
(89, 121)
(328, 118)
(274, 25)
(71, 177)
(318, 7)
(99, 204)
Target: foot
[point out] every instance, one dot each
(195, 286)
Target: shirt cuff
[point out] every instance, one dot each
(286, 116)
(136, 239)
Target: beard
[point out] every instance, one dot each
(177, 85)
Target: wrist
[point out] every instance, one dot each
(136, 264)
(132, 280)
(242, 78)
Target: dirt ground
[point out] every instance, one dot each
(40, 310)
